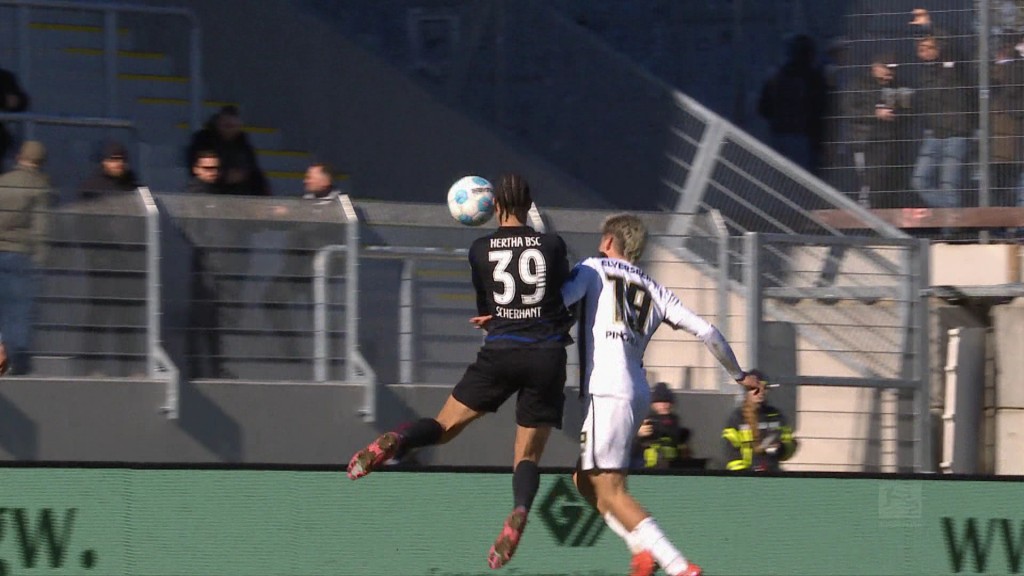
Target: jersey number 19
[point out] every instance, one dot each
(632, 304)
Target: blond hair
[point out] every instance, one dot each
(629, 234)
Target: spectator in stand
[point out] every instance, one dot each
(240, 172)
(25, 200)
(661, 442)
(946, 108)
(878, 108)
(1007, 112)
(319, 183)
(114, 175)
(12, 99)
(205, 174)
(793, 102)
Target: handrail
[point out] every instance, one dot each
(30, 119)
(357, 369)
(110, 12)
(67, 120)
(159, 364)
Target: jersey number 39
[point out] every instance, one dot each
(532, 268)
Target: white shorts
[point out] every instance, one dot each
(611, 423)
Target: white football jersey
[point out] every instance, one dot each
(623, 307)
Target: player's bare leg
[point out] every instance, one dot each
(642, 562)
(450, 421)
(609, 487)
(530, 443)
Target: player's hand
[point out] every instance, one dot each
(4, 364)
(921, 17)
(752, 382)
(646, 429)
(480, 321)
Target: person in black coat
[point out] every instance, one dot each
(12, 99)
(240, 172)
(114, 175)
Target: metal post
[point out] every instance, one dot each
(351, 299)
(752, 279)
(406, 323)
(722, 289)
(922, 279)
(700, 173)
(984, 128)
(110, 60)
(320, 315)
(152, 281)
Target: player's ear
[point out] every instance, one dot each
(607, 243)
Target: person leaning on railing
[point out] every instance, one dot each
(757, 436)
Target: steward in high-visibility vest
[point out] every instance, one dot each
(757, 436)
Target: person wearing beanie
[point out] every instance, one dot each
(661, 440)
(114, 174)
(757, 437)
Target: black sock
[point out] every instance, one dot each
(423, 432)
(525, 483)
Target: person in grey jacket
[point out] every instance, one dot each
(24, 212)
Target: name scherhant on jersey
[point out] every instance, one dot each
(517, 314)
(515, 242)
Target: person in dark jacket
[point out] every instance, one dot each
(757, 436)
(879, 107)
(12, 99)
(205, 174)
(793, 102)
(240, 172)
(114, 175)
(1007, 121)
(946, 109)
(661, 441)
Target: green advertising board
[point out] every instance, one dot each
(163, 522)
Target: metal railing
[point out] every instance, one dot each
(871, 322)
(111, 13)
(357, 369)
(159, 364)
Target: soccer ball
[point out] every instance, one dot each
(471, 200)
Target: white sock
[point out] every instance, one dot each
(626, 535)
(651, 538)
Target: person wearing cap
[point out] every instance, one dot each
(24, 222)
(661, 440)
(757, 436)
(114, 174)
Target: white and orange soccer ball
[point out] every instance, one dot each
(471, 200)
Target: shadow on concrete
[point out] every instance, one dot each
(19, 435)
(205, 421)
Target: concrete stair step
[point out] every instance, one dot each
(72, 29)
(128, 61)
